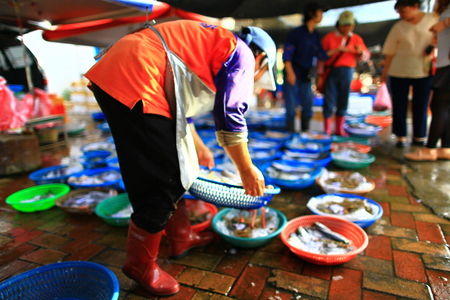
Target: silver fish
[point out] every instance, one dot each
(330, 233)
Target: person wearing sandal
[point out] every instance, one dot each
(406, 65)
(440, 103)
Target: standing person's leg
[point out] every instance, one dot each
(306, 101)
(400, 90)
(439, 126)
(420, 101)
(346, 75)
(439, 129)
(290, 103)
(330, 96)
(443, 96)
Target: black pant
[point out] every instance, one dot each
(440, 121)
(147, 154)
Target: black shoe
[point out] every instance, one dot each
(418, 143)
(400, 144)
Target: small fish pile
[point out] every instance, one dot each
(334, 181)
(347, 206)
(85, 200)
(285, 171)
(311, 135)
(196, 218)
(38, 198)
(61, 172)
(276, 135)
(261, 154)
(101, 178)
(95, 146)
(320, 239)
(351, 155)
(262, 144)
(249, 224)
(224, 176)
(353, 209)
(124, 212)
(297, 144)
(304, 156)
(364, 126)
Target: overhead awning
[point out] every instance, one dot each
(101, 33)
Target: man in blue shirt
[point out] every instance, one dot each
(302, 48)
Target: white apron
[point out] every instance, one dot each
(187, 96)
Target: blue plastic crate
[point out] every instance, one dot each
(79, 280)
(95, 159)
(39, 176)
(92, 172)
(98, 116)
(297, 184)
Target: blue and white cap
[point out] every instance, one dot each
(263, 40)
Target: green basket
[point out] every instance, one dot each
(354, 165)
(16, 199)
(242, 242)
(112, 205)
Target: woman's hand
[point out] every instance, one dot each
(253, 181)
(205, 157)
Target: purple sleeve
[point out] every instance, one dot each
(234, 87)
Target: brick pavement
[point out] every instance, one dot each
(407, 256)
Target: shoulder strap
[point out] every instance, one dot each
(169, 84)
(340, 53)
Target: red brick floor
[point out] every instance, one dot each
(407, 256)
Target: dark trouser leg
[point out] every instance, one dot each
(420, 100)
(345, 79)
(440, 119)
(399, 90)
(330, 93)
(147, 154)
(290, 103)
(306, 102)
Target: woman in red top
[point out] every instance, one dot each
(342, 66)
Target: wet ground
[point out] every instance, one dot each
(407, 256)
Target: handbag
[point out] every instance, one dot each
(320, 86)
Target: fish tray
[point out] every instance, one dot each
(351, 231)
(363, 223)
(293, 184)
(227, 195)
(248, 242)
(107, 207)
(86, 209)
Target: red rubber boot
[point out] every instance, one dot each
(180, 234)
(340, 120)
(140, 264)
(327, 125)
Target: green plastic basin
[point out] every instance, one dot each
(17, 199)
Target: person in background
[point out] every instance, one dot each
(341, 65)
(301, 49)
(147, 84)
(440, 102)
(407, 62)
